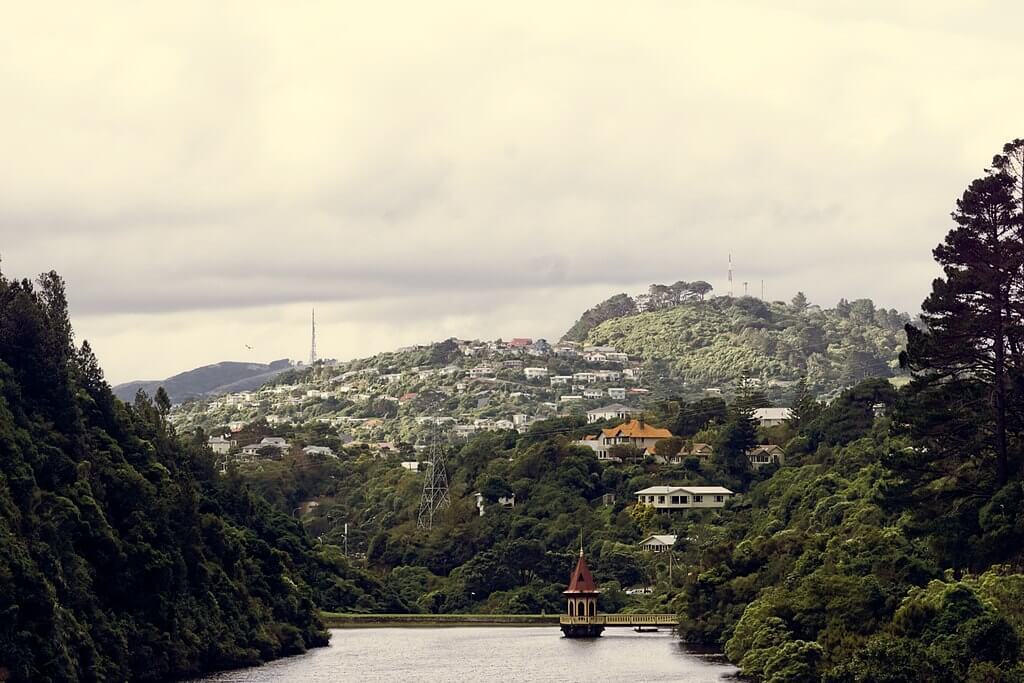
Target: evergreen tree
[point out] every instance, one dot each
(972, 334)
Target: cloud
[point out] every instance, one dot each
(424, 170)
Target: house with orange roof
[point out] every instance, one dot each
(635, 433)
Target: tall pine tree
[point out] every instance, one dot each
(969, 344)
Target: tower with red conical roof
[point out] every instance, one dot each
(581, 608)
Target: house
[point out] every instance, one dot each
(667, 498)
(481, 371)
(323, 451)
(520, 342)
(535, 373)
(615, 411)
(392, 377)
(560, 380)
(512, 364)
(618, 393)
(633, 374)
(593, 393)
(595, 357)
(766, 454)
(567, 398)
(276, 442)
(594, 444)
(411, 465)
(236, 426)
(772, 417)
(608, 375)
(219, 445)
(584, 377)
(503, 501)
(634, 433)
(699, 450)
(658, 543)
(617, 357)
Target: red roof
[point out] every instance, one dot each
(520, 341)
(582, 581)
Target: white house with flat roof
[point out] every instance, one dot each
(535, 373)
(683, 497)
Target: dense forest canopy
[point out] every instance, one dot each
(123, 554)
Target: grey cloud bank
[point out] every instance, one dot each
(202, 175)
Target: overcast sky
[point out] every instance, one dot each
(203, 174)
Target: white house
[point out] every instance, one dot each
(615, 411)
(632, 374)
(772, 417)
(535, 373)
(658, 543)
(618, 393)
(219, 445)
(766, 454)
(584, 377)
(617, 357)
(567, 398)
(504, 501)
(481, 371)
(683, 497)
(268, 441)
(593, 393)
(608, 375)
(559, 380)
(319, 450)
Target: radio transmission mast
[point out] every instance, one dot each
(730, 274)
(435, 487)
(312, 347)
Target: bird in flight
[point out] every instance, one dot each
(248, 347)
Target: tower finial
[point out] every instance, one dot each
(581, 542)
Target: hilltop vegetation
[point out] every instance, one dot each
(720, 341)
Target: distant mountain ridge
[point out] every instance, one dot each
(208, 380)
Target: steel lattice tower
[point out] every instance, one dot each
(435, 495)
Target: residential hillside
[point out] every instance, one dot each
(679, 348)
(209, 380)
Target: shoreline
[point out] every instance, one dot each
(343, 620)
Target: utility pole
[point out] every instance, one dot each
(745, 283)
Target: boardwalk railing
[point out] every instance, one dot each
(622, 620)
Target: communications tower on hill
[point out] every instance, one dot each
(312, 348)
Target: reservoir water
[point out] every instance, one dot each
(489, 653)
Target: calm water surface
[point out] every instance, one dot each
(490, 654)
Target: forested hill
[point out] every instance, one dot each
(209, 380)
(123, 556)
(721, 340)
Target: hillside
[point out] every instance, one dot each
(123, 554)
(721, 341)
(209, 380)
